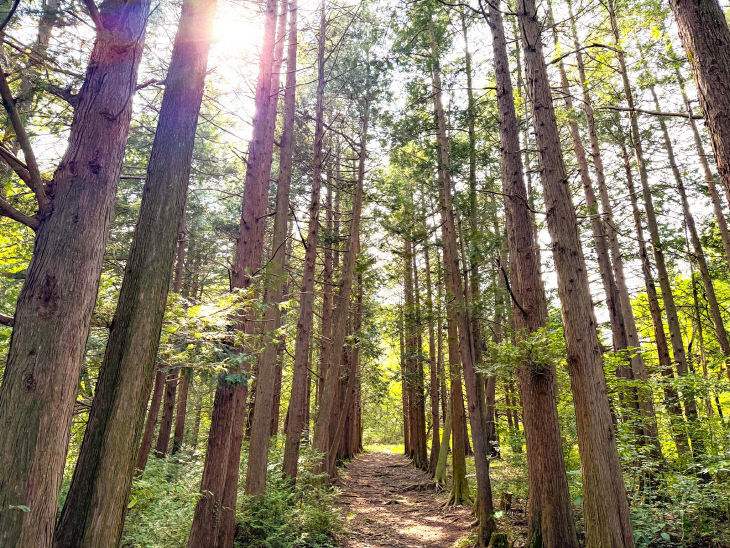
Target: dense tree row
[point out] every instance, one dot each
(229, 264)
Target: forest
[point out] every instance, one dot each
(360, 273)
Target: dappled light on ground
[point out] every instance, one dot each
(388, 502)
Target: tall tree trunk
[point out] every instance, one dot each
(605, 506)
(97, 499)
(53, 311)
(181, 409)
(163, 433)
(149, 429)
(456, 305)
(550, 512)
(306, 300)
(414, 379)
(459, 486)
(675, 330)
(671, 397)
(404, 384)
(443, 392)
(704, 32)
(350, 379)
(709, 177)
(324, 422)
(258, 448)
(186, 373)
(439, 474)
(213, 521)
(699, 254)
(433, 372)
(643, 393)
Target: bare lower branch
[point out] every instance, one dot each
(36, 181)
(94, 14)
(16, 164)
(7, 320)
(6, 210)
(652, 112)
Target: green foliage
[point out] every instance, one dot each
(162, 502)
(289, 515)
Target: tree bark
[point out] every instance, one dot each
(327, 411)
(638, 367)
(675, 330)
(605, 506)
(704, 32)
(671, 397)
(550, 512)
(181, 409)
(53, 312)
(709, 177)
(163, 433)
(298, 403)
(96, 503)
(214, 518)
(149, 429)
(459, 486)
(414, 379)
(456, 305)
(698, 255)
(258, 448)
(433, 371)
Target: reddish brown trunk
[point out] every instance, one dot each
(549, 511)
(182, 408)
(670, 307)
(97, 499)
(456, 308)
(149, 429)
(298, 402)
(671, 397)
(163, 434)
(327, 411)
(54, 308)
(213, 522)
(433, 371)
(258, 452)
(704, 32)
(605, 506)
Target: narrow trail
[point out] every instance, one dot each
(387, 502)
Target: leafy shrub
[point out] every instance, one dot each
(300, 515)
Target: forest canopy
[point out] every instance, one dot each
(285, 273)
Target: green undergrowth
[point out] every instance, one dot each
(163, 499)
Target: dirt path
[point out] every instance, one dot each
(386, 502)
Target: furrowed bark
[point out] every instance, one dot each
(706, 39)
(670, 307)
(605, 506)
(456, 303)
(258, 448)
(53, 312)
(327, 412)
(214, 518)
(97, 500)
(550, 515)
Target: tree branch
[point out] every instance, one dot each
(36, 181)
(652, 112)
(94, 14)
(7, 320)
(6, 210)
(16, 164)
(9, 16)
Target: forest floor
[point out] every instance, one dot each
(386, 502)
